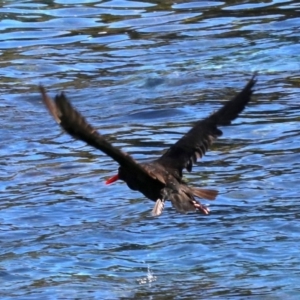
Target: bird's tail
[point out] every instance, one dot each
(205, 193)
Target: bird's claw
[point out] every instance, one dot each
(200, 207)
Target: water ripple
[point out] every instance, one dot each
(143, 72)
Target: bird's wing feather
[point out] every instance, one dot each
(76, 125)
(194, 144)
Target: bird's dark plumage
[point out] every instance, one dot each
(160, 179)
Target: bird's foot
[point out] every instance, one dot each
(158, 207)
(200, 207)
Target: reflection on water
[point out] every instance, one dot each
(142, 72)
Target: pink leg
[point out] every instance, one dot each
(201, 207)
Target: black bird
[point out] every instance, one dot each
(160, 179)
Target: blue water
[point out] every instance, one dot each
(142, 73)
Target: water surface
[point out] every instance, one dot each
(142, 72)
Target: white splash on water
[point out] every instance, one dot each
(149, 278)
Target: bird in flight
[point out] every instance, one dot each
(161, 179)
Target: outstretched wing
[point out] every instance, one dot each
(197, 140)
(76, 125)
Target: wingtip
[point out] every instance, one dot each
(43, 92)
(49, 103)
(253, 79)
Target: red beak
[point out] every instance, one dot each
(112, 179)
